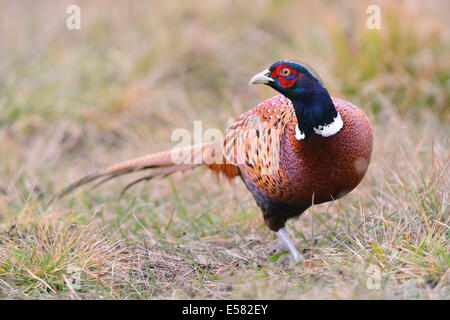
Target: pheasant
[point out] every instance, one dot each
(298, 148)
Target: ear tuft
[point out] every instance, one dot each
(308, 67)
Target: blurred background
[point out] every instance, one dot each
(73, 101)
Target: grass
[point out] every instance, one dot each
(75, 101)
(51, 257)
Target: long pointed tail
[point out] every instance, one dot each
(161, 164)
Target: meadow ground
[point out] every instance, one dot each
(73, 101)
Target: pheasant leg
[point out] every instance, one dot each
(294, 252)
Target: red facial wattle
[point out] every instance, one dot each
(285, 81)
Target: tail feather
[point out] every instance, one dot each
(164, 163)
(163, 172)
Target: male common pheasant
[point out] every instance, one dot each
(298, 148)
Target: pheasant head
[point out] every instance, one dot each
(312, 103)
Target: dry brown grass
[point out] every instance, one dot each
(47, 254)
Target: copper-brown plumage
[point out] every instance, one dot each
(317, 169)
(277, 149)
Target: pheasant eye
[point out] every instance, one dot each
(285, 72)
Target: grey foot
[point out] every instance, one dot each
(279, 247)
(296, 256)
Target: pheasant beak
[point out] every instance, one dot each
(262, 77)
